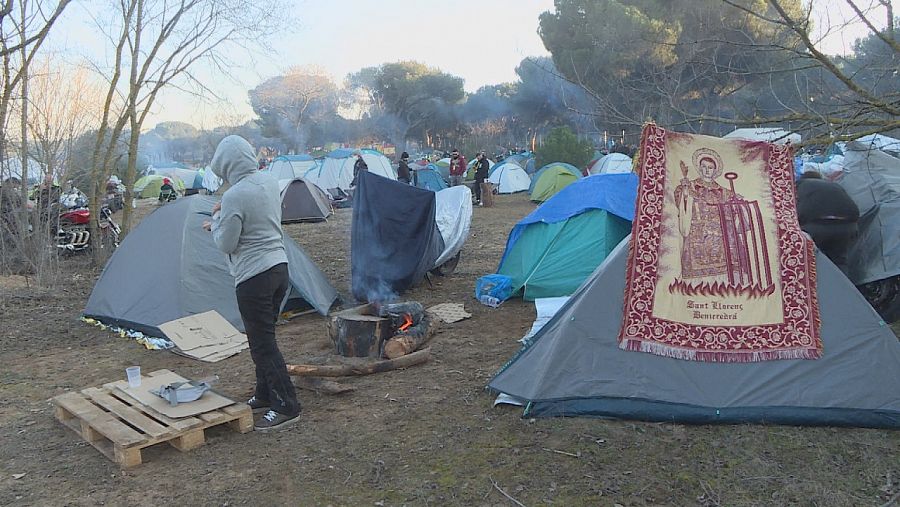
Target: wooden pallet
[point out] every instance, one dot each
(120, 427)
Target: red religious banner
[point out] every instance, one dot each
(718, 268)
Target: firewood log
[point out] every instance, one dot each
(403, 344)
(344, 370)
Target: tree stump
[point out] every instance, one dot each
(356, 333)
(487, 194)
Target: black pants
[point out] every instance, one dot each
(259, 300)
(834, 239)
(478, 181)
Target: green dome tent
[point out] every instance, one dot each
(552, 178)
(554, 249)
(148, 186)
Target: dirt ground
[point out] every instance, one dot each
(427, 435)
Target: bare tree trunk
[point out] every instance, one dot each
(130, 176)
(134, 140)
(26, 240)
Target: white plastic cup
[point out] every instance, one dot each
(134, 376)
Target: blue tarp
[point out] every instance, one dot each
(615, 193)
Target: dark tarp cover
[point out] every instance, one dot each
(169, 268)
(394, 237)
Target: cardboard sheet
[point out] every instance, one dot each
(209, 400)
(450, 312)
(205, 336)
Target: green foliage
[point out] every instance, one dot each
(664, 59)
(290, 106)
(169, 130)
(421, 96)
(562, 145)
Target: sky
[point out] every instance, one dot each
(481, 41)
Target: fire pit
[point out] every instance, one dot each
(376, 329)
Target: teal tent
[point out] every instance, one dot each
(554, 249)
(429, 178)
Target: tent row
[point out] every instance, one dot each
(508, 177)
(185, 181)
(336, 169)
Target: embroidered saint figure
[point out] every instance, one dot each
(723, 243)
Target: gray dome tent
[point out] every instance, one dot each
(574, 367)
(301, 201)
(872, 178)
(169, 268)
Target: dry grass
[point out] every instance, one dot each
(424, 436)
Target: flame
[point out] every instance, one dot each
(407, 322)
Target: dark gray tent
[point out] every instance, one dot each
(301, 201)
(169, 268)
(872, 178)
(573, 366)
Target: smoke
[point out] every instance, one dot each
(378, 290)
(295, 138)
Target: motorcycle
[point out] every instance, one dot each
(73, 230)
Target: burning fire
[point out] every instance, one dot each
(407, 322)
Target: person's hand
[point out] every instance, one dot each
(207, 225)
(216, 208)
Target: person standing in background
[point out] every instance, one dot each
(403, 168)
(457, 168)
(481, 173)
(359, 165)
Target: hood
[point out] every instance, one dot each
(234, 159)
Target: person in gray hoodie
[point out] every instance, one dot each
(246, 226)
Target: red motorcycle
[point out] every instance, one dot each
(73, 230)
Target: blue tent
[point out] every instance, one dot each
(430, 178)
(554, 249)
